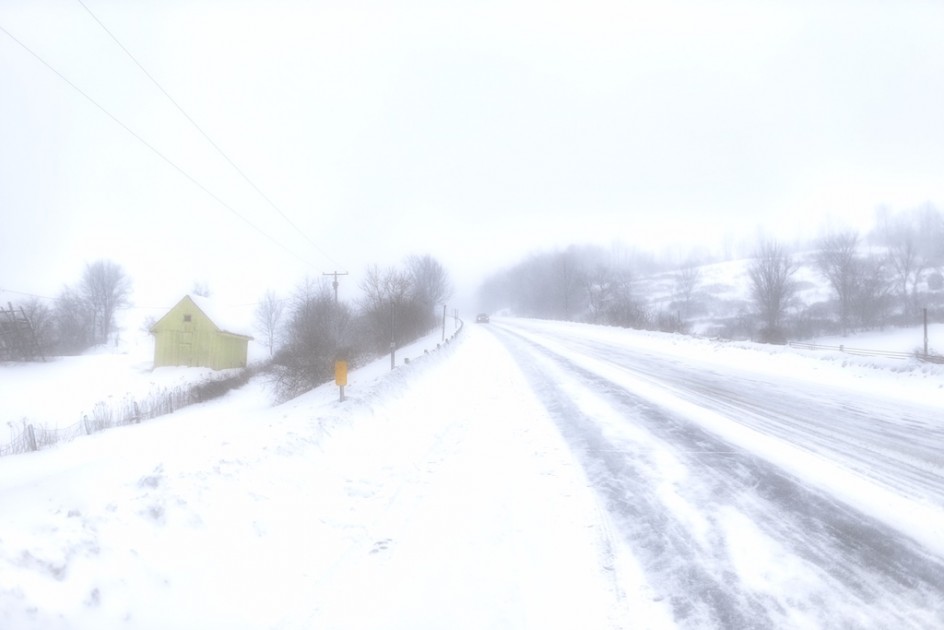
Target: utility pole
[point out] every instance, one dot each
(340, 361)
(335, 283)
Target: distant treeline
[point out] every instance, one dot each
(888, 276)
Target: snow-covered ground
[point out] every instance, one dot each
(61, 391)
(908, 339)
(529, 475)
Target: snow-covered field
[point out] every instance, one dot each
(61, 391)
(459, 492)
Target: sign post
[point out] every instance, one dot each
(340, 375)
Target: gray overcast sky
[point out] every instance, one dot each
(472, 131)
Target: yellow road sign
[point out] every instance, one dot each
(340, 373)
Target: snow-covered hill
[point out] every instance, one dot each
(721, 303)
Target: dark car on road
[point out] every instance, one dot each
(481, 318)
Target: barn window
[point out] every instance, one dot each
(186, 318)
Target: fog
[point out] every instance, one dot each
(354, 134)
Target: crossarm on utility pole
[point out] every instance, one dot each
(335, 282)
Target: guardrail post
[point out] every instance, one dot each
(925, 332)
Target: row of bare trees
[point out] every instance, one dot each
(82, 315)
(884, 279)
(873, 284)
(307, 332)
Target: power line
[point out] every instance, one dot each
(153, 149)
(206, 136)
(41, 297)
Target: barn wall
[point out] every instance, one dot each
(228, 351)
(197, 342)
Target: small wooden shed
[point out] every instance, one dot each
(196, 333)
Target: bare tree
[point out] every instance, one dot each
(385, 305)
(42, 320)
(430, 288)
(311, 323)
(106, 288)
(872, 292)
(568, 278)
(931, 229)
(600, 284)
(906, 261)
(431, 284)
(316, 330)
(836, 260)
(685, 285)
(772, 287)
(915, 243)
(626, 310)
(268, 316)
(611, 299)
(74, 322)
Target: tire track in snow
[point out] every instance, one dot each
(864, 573)
(873, 437)
(854, 433)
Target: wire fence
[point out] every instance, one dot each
(930, 358)
(28, 437)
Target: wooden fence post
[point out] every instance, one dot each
(31, 436)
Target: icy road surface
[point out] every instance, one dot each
(751, 501)
(530, 475)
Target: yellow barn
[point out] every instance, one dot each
(195, 334)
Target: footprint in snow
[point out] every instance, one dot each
(154, 479)
(381, 545)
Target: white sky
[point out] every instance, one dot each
(475, 132)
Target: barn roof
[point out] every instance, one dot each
(222, 317)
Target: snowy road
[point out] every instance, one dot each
(729, 538)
